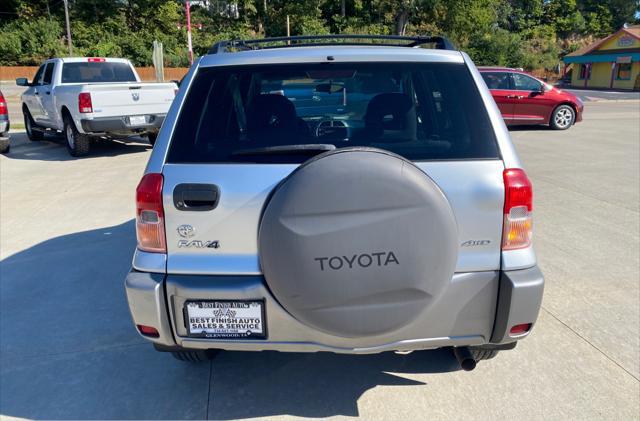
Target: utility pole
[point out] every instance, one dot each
(264, 9)
(188, 5)
(288, 30)
(66, 16)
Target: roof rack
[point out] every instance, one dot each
(229, 46)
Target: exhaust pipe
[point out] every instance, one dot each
(465, 358)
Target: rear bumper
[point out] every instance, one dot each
(519, 301)
(121, 124)
(4, 125)
(481, 307)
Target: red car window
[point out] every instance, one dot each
(496, 80)
(525, 83)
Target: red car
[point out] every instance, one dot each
(523, 99)
(4, 126)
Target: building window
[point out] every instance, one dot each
(585, 72)
(623, 71)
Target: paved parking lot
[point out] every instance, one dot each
(604, 95)
(68, 349)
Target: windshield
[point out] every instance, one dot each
(421, 111)
(87, 72)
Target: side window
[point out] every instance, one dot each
(496, 80)
(525, 83)
(585, 71)
(623, 71)
(37, 79)
(48, 74)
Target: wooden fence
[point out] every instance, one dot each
(9, 73)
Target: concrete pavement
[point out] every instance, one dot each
(68, 349)
(604, 94)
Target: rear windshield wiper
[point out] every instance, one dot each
(310, 149)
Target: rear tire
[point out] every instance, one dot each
(77, 143)
(151, 137)
(5, 148)
(483, 354)
(194, 356)
(562, 117)
(29, 125)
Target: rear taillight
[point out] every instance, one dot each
(150, 214)
(96, 60)
(84, 102)
(518, 330)
(148, 331)
(518, 207)
(3, 106)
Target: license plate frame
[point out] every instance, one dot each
(212, 305)
(137, 120)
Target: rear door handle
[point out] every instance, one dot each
(196, 197)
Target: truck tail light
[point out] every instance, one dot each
(84, 102)
(96, 60)
(150, 214)
(518, 209)
(3, 106)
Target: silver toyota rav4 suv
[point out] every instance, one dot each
(341, 193)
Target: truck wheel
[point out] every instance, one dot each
(151, 137)
(562, 118)
(194, 356)
(77, 143)
(5, 147)
(32, 134)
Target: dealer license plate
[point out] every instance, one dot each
(137, 120)
(226, 319)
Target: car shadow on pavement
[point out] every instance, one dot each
(68, 349)
(53, 148)
(268, 384)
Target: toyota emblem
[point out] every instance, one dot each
(186, 231)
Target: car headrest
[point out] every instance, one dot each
(388, 111)
(271, 112)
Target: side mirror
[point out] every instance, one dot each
(22, 81)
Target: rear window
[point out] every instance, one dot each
(87, 72)
(422, 111)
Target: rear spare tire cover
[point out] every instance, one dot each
(357, 242)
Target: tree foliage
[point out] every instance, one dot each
(521, 33)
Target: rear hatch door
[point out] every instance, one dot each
(443, 128)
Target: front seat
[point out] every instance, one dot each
(272, 118)
(391, 116)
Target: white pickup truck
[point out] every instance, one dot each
(91, 97)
